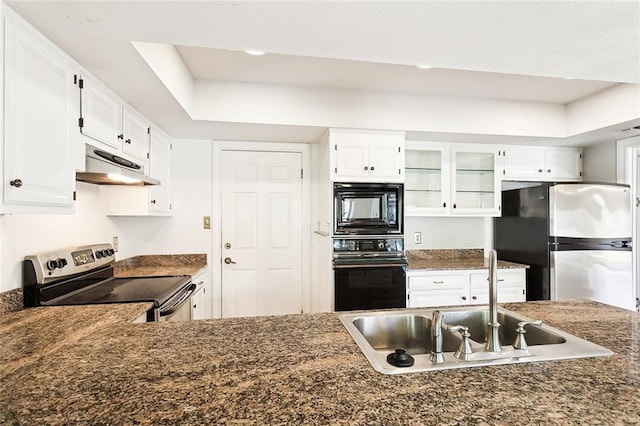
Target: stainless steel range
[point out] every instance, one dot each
(370, 273)
(84, 275)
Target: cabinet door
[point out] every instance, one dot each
(160, 168)
(563, 163)
(198, 310)
(435, 298)
(426, 189)
(101, 113)
(511, 286)
(385, 160)
(524, 163)
(135, 129)
(38, 168)
(352, 159)
(475, 184)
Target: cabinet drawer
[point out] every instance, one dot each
(426, 282)
(506, 278)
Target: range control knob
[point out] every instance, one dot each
(381, 244)
(98, 254)
(61, 262)
(52, 264)
(110, 252)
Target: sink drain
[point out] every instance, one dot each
(400, 358)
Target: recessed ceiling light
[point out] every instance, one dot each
(255, 52)
(424, 66)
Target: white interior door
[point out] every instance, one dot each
(261, 233)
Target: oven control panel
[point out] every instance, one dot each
(371, 245)
(56, 264)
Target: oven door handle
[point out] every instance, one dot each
(174, 306)
(368, 265)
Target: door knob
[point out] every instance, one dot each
(228, 261)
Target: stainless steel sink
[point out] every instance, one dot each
(379, 333)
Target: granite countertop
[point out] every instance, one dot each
(91, 365)
(453, 259)
(160, 265)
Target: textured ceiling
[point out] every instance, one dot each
(371, 44)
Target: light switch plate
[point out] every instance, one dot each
(206, 222)
(115, 243)
(417, 237)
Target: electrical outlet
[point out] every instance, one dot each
(417, 237)
(206, 222)
(115, 243)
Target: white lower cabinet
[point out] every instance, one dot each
(198, 300)
(463, 287)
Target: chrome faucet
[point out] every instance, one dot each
(436, 355)
(493, 338)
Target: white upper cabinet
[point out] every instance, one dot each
(114, 125)
(366, 156)
(474, 181)
(160, 168)
(447, 180)
(542, 163)
(427, 180)
(39, 173)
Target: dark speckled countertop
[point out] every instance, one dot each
(453, 259)
(159, 265)
(91, 365)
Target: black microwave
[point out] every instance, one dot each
(367, 208)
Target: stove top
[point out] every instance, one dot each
(84, 275)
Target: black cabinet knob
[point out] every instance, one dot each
(16, 182)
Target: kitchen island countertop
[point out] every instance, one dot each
(91, 364)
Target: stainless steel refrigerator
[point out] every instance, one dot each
(576, 237)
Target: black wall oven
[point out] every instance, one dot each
(370, 273)
(368, 208)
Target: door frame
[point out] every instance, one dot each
(216, 235)
(627, 163)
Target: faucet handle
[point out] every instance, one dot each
(464, 351)
(520, 342)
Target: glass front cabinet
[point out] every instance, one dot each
(444, 180)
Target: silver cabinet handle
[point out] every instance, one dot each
(16, 182)
(228, 261)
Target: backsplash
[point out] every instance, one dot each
(11, 300)
(445, 254)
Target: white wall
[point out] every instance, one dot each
(599, 162)
(448, 232)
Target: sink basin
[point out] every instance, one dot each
(379, 333)
(407, 331)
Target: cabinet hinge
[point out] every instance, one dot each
(580, 155)
(399, 171)
(504, 172)
(147, 155)
(170, 206)
(580, 174)
(398, 149)
(170, 146)
(81, 122)
(75, 79)
(335, 147)
(148, 130)
(301, 173)
(81, 83)
(74, 195)
(336, 170)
